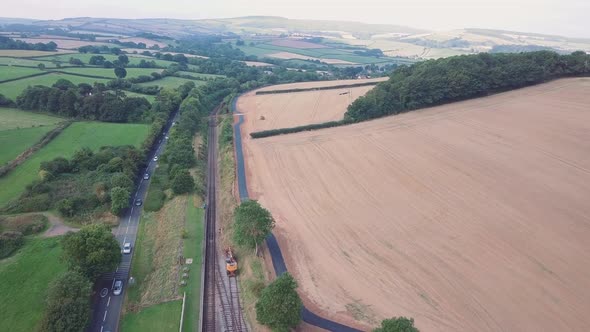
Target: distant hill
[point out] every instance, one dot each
(393, 40)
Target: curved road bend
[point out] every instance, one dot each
(106, 307)
(278, 261)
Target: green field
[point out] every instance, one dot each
(13, 89)
(159, 317)
(10, 72)
(110, 73)
(19, 130)
(16, 141)
(171, 82)
(25, 62)
(24, 281)
(11, 118)
(78, 135)
(192, 249)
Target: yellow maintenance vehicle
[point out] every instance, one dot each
(231, 266)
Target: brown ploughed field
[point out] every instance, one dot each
(471, 216)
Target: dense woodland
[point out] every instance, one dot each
(445, 80)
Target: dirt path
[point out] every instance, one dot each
(57, 227)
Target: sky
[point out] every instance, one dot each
(560, 17)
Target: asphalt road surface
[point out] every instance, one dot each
(107, 306)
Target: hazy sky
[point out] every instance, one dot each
(565, 17)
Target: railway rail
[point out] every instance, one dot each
(221, 309)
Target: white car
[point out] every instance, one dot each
(127, 248)
(156, 158)
(166, 137)
(118, 288)
(146, 176)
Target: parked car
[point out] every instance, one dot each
(127, 248)
(146, 176)
(138, 202)
(118, 288)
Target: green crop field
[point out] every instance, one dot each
(110, 73)
(13, 89)
(25, 278)
(11, 118)
(78, 135)
(170, 82)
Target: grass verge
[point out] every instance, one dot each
(252, 276)
(158, 318)
(193, 243)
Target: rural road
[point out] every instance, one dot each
(107, 306)
(278, 261)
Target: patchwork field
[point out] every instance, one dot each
(78, 135)
(471, 216)
(272, 111)
(27, 53)
(85, 57)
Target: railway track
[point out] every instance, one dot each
(221, 309)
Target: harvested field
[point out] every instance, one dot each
(296, 43)
(471, 216)
(289, 55)
(272, 111)
(304, 85)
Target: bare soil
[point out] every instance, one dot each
(56, 226)
(471, 216)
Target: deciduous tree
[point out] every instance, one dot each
(93, 250)
(252, 224)
(397, 324)
(279, 306)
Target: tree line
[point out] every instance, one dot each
(7, 43)
(456, 78)
(83, 101)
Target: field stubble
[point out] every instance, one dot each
(471, 216)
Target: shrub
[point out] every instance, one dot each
(67, 304)
(10, 241)
(119, 199)
(183, 182)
